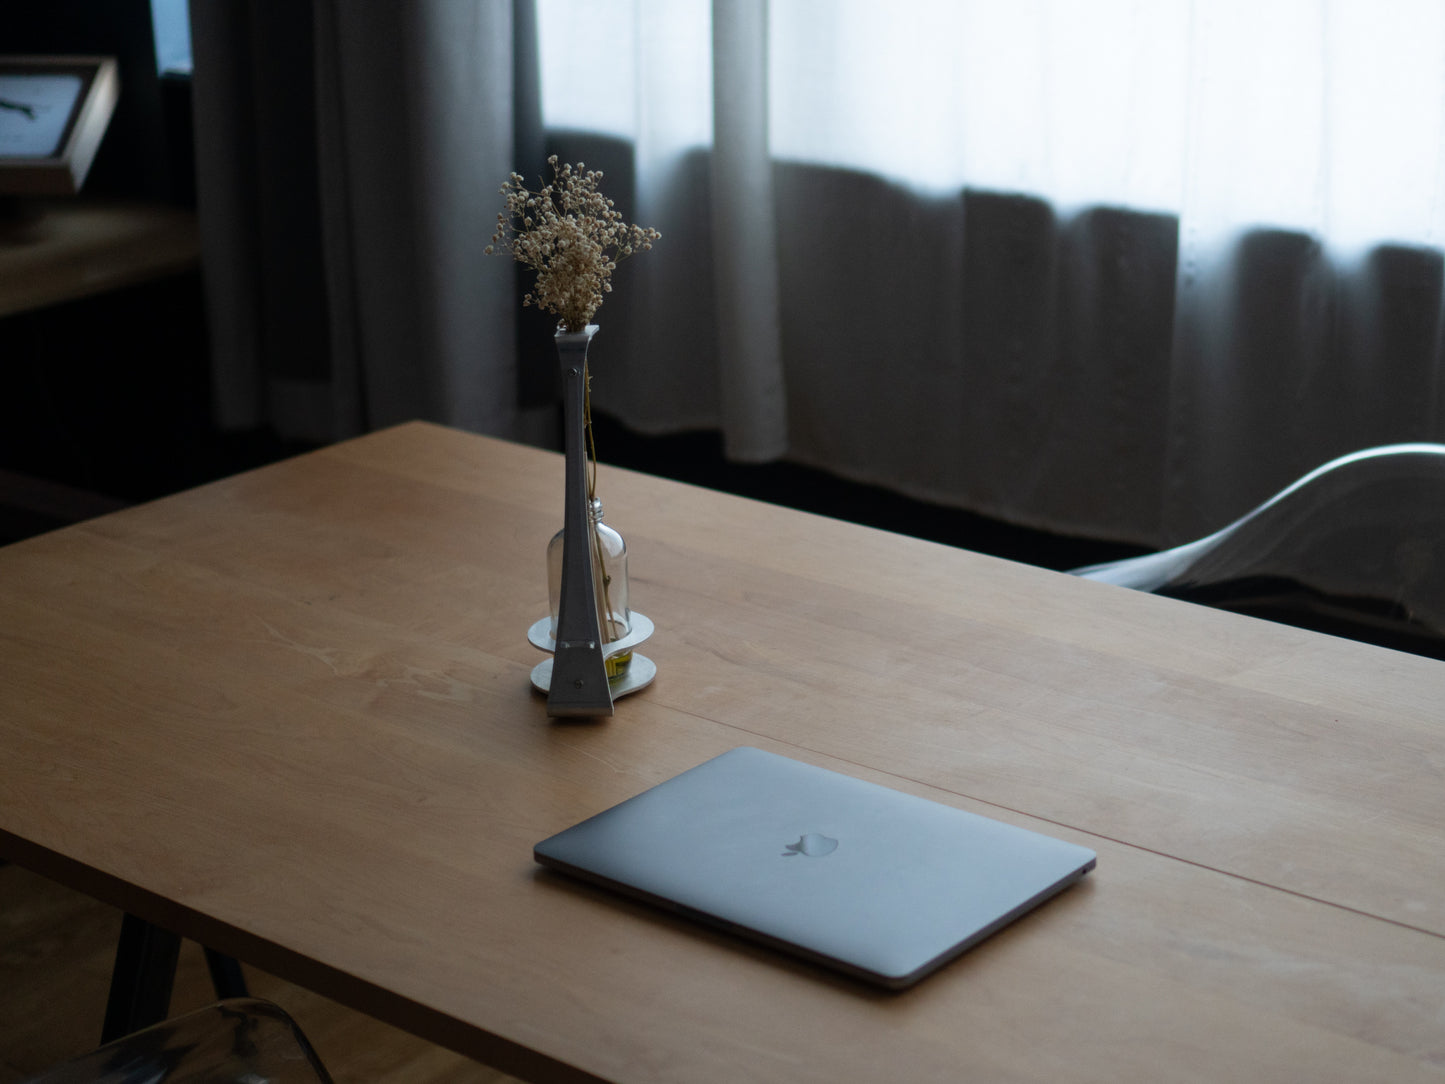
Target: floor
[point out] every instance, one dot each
(56, 951)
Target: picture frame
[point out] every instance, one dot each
(54, 111)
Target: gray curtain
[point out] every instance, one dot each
(348, 161)
(1084, 369)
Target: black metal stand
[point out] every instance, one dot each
(579, 673)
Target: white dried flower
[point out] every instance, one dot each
(571, 235)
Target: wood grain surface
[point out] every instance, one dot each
(288, 714)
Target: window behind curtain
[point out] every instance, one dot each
(1319, 116)
(170, 22)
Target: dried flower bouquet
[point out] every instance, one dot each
(571, 235)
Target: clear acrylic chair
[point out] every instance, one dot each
(1355, 548)
(240, 1041)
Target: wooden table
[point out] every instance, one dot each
(288, 715)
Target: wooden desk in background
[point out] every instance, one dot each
(80, 247)
(288, 715)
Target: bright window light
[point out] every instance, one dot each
(171, 24)
(1321, 115)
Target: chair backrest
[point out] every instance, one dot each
(1358, 543)
(242, 1041)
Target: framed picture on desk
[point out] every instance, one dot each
(53, 113)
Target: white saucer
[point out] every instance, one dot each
(639, 675)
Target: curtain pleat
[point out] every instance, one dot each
(754, 396)
(348, 158)
(228, 212)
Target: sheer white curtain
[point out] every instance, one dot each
(1118, 268)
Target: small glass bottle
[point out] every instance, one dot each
(609, 581)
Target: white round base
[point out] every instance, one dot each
(640, 673)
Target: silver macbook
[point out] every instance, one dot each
(882, 885)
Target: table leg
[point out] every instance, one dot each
(145, 972)
(140, 984)
(226, 975)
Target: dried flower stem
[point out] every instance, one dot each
(587, 428)
(612, 628)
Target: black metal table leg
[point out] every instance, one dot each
(226, 975)
(140, 985)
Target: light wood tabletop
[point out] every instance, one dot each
(288, 715)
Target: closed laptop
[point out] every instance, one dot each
(881, 885)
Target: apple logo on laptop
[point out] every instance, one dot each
(813, 844)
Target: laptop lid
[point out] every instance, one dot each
(881, 885)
